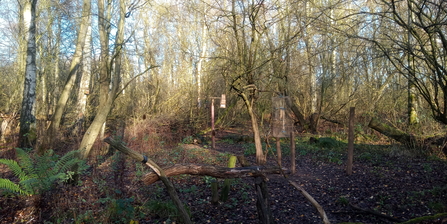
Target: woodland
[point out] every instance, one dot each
(223, 111)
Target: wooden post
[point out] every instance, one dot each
(226, 188)
(292, 152)
(350, 140)
(222, 105)
(278, 150)
(214, 192)
(263, 204)
(213, 133)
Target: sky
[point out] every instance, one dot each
(7, 16)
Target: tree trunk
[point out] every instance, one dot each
(84, 86)
(94, 129)
(412, 95)
(62, 102)
(297, 112)
(27, 117)
(314, 120)
(203, 49)
(292, 152)
(260, 157)
(226, 187)
(105, 107)
(412, 104)
(104, 15)
(278, 151)
(5, 126)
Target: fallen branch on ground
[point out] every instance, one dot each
(160, 173)
(213, 171)
(312, 201)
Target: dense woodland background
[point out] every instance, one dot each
(74, 72)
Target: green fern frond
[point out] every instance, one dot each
(66, 162)
(26, 162)
(11, 186)
(44, 164)
(31, 185)
(38, 174)
(15, 168)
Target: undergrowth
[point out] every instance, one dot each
(38, 173)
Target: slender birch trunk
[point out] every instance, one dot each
(27, 133)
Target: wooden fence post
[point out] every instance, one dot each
(278, 151)
(350, 141)
(292, 152)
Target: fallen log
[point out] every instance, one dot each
(213, 171)
(392, 132)
(408, 139)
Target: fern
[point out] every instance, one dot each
(66, 162)
(15, 168)
(39, 174)
(26, 162)
(11, 186)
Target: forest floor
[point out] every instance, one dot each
(394, 185)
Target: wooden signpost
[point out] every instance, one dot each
(222, 105)
(282, 127)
